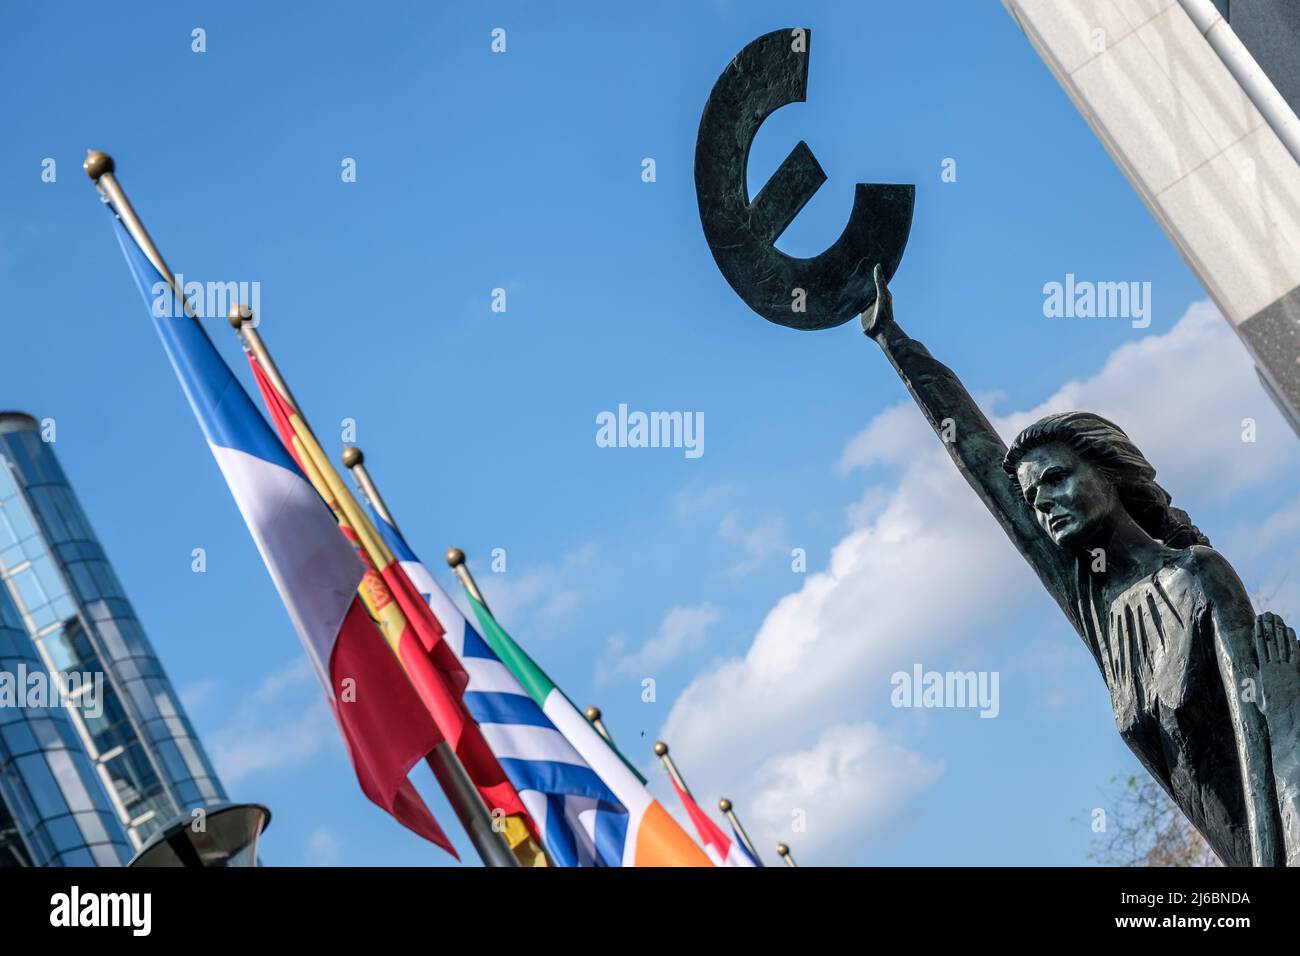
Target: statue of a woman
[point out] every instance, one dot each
(1189, 666)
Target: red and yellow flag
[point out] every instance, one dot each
(408, 625)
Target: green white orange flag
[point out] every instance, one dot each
(652, 837)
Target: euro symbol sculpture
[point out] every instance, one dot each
(817, 293)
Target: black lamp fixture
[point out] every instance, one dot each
(224, 834)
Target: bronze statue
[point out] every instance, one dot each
(1205, 693)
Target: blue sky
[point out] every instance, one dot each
(522, 171)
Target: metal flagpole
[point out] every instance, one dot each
(101, 170)
(354, 459)
(455, 781)
(460, 790)
(661, 751)
(783, 852)
(729, 812)
(594, 718)
(456, 559)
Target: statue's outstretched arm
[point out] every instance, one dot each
(972, 443)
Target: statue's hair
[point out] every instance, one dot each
(1104, 445)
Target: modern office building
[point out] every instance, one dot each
(58, 582)
(54, 810)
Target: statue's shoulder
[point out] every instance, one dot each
(1207, 571)
(1201, 558)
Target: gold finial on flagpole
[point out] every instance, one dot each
(661, 751)
(354, 460)
(238, 315)
(597, 720)
(729, 812)
(456, 559)
(97, 164)
(594, 718)
(102, 171)
(243, 321)
(783, 852)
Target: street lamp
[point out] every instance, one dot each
(224, 834)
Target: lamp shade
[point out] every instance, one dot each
(224, 834)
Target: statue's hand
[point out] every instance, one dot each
(1278, 656)
(881, 313)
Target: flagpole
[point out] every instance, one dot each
(456, 559)
(451, 774)
(102, 172)
(593, 718)
(354, 460)
(461, 793)
(729, 812)
(596, 719)
(661, 751)
(783, 852)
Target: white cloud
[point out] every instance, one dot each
(692, 502)
(1280, 528)
(854, 777)
(1274, 577)
(758, 542)
(1182, 398)
(194, 696)
(682, 630)
(544, 595)
(282, 723)
(926, 564)
(323, 848)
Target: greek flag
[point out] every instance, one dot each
(581, 821)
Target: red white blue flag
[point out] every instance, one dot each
(384, 725)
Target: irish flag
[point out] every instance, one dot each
(653, 838)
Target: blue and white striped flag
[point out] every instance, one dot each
(581, 821)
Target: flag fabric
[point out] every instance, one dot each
(651, 836)
(744, 848)
(581, 822)
(416, 637)
(385, 727)
(722, 850)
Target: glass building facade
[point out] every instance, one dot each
(69, 603)
(54, 810)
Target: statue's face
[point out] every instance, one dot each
(1072, 500)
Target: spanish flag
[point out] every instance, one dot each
(412, 631)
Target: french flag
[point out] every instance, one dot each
(385, 726)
